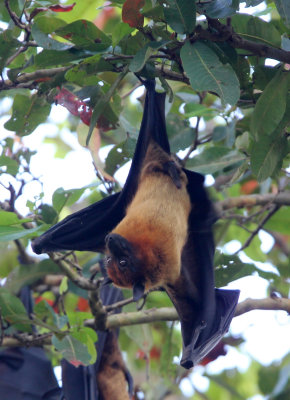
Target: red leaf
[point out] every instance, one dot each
(218, 350)
(60, 8)
(76, 363)
(131, 14)
(83, 304)
(49, 301)
(155, 353)
(55, 8)
(249, 187)
(74, 105)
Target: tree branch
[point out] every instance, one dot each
(152, 315)
(276, 303)
(28, 340)
(32, 76)
(170, 314)
(280, 199)
(14, 17)
(141, 317)
(237, 41)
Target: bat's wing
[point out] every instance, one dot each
(205, 312)
(86, 229)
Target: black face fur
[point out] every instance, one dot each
(122, 264)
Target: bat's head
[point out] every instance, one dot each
(123, 265)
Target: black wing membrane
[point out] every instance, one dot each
(85, 230)
(205, 312)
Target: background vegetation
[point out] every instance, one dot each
(228, 111)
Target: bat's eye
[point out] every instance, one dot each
(108, 260)
(123, 263)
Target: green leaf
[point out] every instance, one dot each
(271, 105)
(88, 337)
(267, 155)
(49, 58)
(27, 114)
(215, 159)
(28, 274)
(140, 334)
(180, 15)
(120, 31)
(182, 139)
(13, 311)
(72, 350)
(8, 46)
(49, 24)
(103, 101)
(217, 8)
(119, 155)
(8, 233)
(268, 152)
(85, 35)
(53, 321)
(229, 268)
(256, 29)
(207, 73)
(277, 222)
(144, 54)
(48, 214)
(85, 73)
(262, 76)
(268, 377)
(198, 110)
(10, 218)
(283, 7)
(41, 29)
(8, 165)
(63, 285)
(61, 198)
(77, 318)
(80, 77)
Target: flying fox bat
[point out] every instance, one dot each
(157, 232)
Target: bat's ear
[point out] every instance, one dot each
(138, 291)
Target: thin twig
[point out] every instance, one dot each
(14, 17)
(260, 226)
(196, 139)
(138, 84)
(72, 274)
(119, 304)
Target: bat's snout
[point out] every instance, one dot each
(117, 244)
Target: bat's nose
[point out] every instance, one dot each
(117, 244)
(110, 238)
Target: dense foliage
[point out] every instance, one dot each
(227, 77)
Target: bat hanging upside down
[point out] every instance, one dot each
(157, 232)
(144, 249)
